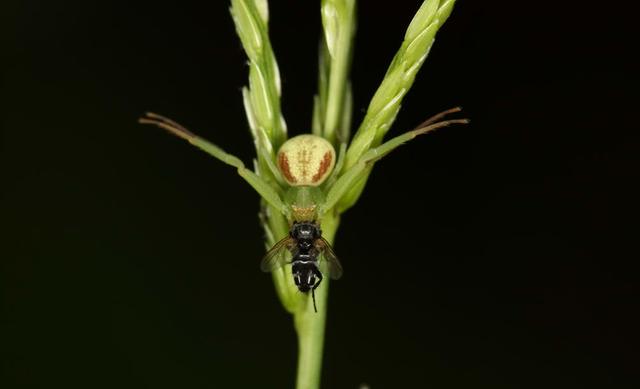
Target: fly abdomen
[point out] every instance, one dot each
(304, 257)
(304, 274)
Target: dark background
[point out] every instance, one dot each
(496, 255)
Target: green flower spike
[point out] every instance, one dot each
(316, 177)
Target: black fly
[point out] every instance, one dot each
(306, 245)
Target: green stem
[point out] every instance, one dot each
(332, 121)
(310, 325)
(310, 329)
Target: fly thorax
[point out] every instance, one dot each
(305, 231)
(305, 245)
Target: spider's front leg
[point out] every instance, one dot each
(359, 170)
(261, 186)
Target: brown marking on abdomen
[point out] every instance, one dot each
(283, 164)
(322, 169)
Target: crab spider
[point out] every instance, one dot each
(308, 172)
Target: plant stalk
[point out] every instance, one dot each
(310, 326)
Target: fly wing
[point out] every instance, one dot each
(277, 256)
(329, 263)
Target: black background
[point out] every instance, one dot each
(496, 255)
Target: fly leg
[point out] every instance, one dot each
(318, 275)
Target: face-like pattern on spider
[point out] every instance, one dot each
(306, 160)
